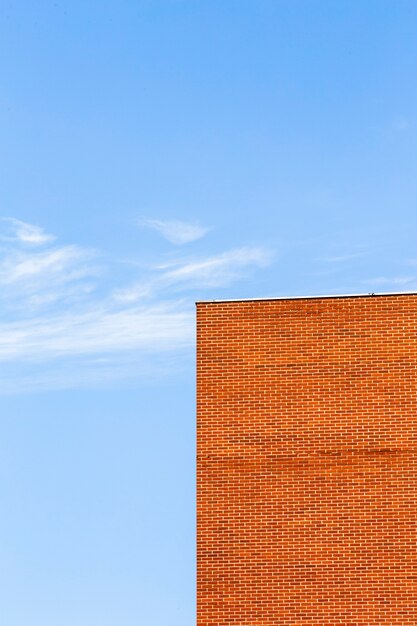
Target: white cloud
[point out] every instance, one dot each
(33, 280)
(203, 273)
(175, 231)
(97, 331)
(21, 232)
(66, 322)
(64, 263)
(217, 270)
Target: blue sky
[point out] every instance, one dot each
(153, 153)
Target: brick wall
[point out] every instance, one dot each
(307, 474)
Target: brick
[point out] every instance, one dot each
(306, 462)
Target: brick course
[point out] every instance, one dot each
(306, 472)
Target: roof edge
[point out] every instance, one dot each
(315, 297)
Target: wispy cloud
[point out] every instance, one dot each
(97, 331)
(63, 264)
(67, 320)
(31, 280)
(175, 231)
(218, 270)
(21, 232)
(214, 271)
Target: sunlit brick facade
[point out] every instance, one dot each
(307, 472)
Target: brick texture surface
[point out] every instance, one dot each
(307, 473)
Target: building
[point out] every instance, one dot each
(307, 472)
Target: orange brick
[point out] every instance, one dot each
(306, 471)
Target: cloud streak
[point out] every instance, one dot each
(67, 320)
(63, 264)
(218, 270)
(175, 231)
(201, 273)
(23, 233)
(97, 332)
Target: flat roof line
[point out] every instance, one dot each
(340, 295)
